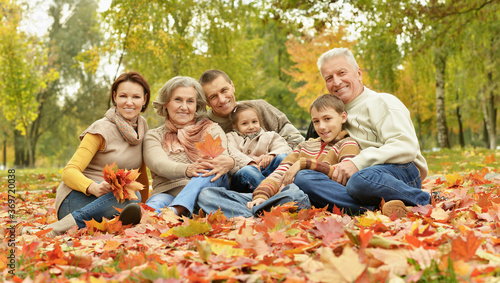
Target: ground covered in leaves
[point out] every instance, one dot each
(454, 239)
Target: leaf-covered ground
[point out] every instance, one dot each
(455, 239)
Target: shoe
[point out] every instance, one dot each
(131, 214)
(395, 206)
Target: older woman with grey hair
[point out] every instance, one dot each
(178, 170)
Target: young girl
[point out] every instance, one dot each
(257, 152)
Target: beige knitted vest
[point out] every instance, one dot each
(116, 150)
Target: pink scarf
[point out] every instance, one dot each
(132, 130)
(184, 138)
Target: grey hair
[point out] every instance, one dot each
(165, 93)
(336, 52)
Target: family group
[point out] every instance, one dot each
(360, 152)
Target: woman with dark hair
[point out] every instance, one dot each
(83, 194)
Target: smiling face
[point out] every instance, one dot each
(129, 99)
(327, 122)
(248, 122)
(182, 105)
(220, 96)
(342, 79)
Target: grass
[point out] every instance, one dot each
(466, 160)
(441, 162)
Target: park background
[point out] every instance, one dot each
(441, 58)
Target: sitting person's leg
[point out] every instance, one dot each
(246, 179)
(103, 206)
(230, 202)
(388, 182)
(185, 201)
(77, 208)
(159, 201)
(323, 191)
(290, 193)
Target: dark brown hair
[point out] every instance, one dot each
(210, 75)
(240, 107)
(328, 100)
(135, 78)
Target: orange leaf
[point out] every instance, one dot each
(111, 245)
(489, 159)
(81, 260)
(92, 224)
(210, 148)
(464, 249)
(123, 182)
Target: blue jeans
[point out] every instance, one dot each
(366, 188)
(249, 177)
(189, 194)
(234, 204)
(84, 207)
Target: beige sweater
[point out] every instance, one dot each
(168, 170)
(244, 149)
(116, 149)
(382, 126)
(272, 120)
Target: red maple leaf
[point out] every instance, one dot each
(210, 147)
(123, 182)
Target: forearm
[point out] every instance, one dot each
(72, 174)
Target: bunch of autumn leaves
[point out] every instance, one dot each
(123, 182)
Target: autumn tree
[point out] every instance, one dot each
(22, 76)
(432, 29)
(305, 52)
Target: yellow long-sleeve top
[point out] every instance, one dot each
(312, 154)
(72, 174)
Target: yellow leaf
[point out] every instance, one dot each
(452, 179)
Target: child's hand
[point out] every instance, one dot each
(290, 174)
(265, 160)
(255, 202)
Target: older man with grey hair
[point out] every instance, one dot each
(389, 168)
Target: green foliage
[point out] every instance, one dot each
(269, 48)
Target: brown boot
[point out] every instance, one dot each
(395, 206)
(131, 214)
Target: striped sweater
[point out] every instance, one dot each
(312, 154)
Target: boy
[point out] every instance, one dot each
(321, 154)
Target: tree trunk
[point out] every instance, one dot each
(486, 139)
(442, 128)
(5, 151)
(20, 156)
(490, 114)
(460, 126)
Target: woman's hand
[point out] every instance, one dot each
(255, 202)
(265, 160)
(290, 174)
(99, 189)
(195, 169)
(218, 166)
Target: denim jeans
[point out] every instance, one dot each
(234, 204)
(189, 194)
(85, 208)
(366, 188)
(249, 177)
